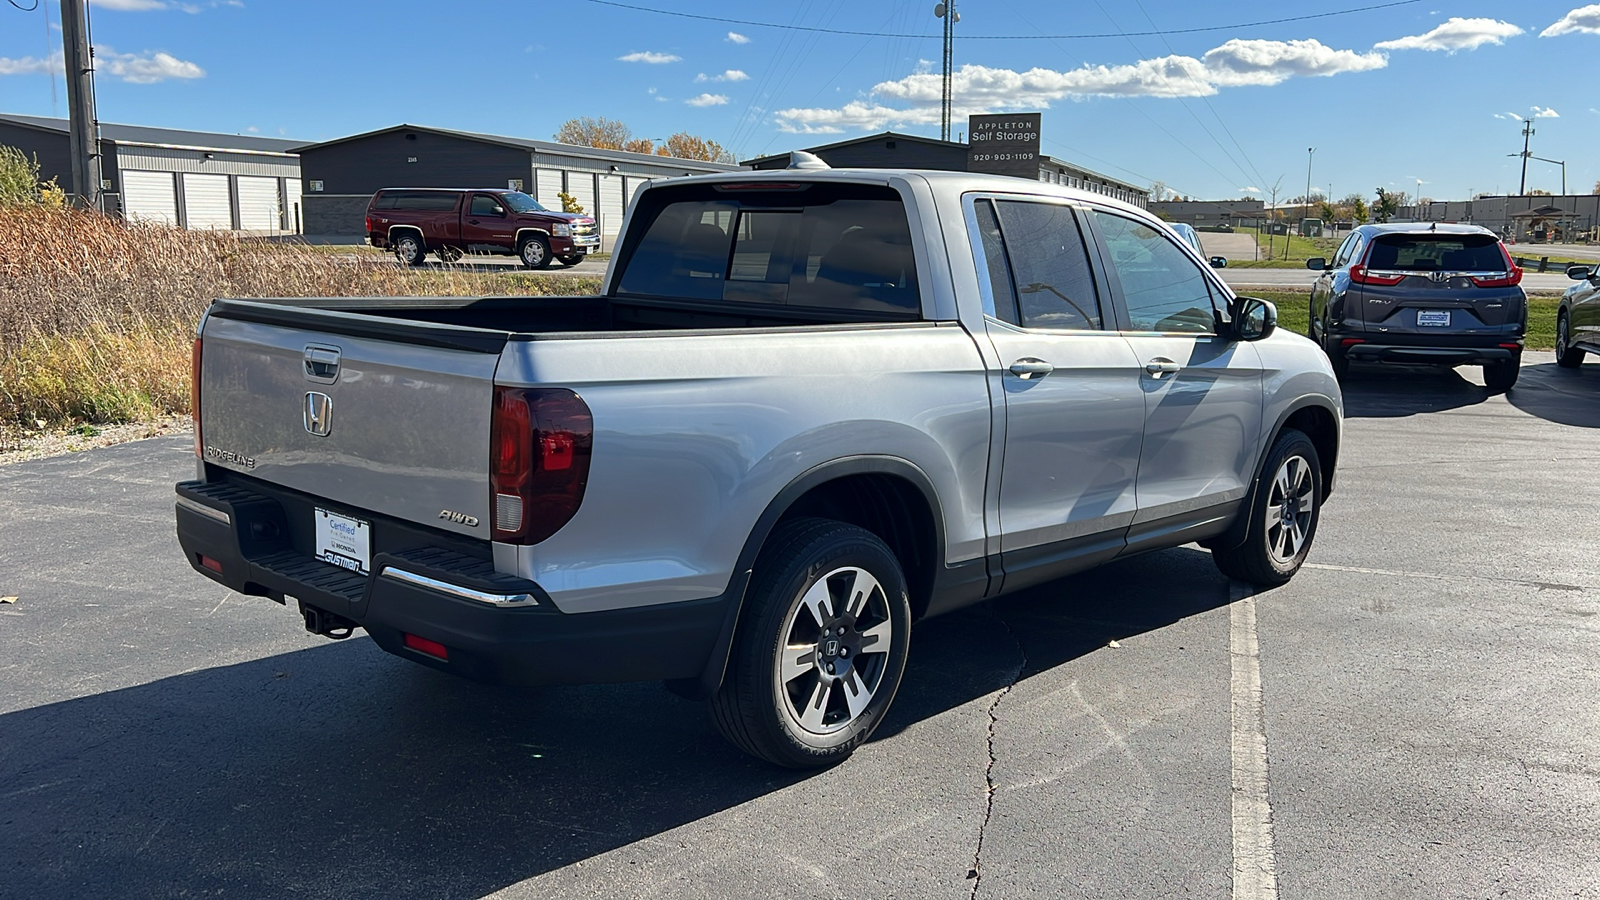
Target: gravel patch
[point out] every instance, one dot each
(15, 447)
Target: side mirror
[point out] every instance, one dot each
(1579, 273)
(1317, 264)
(1219, 262)
(1254, 319)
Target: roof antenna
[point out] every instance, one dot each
(1433, 226)
(800, 159)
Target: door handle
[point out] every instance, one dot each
(472, 221)
(1161, 366)
(1028, 367)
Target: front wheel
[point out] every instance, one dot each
(1567, 356)
(535, 253)
(821, 648)
(1284, 510)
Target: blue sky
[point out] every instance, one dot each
(1427, 91)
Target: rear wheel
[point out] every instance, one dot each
(821, 648)
(1500, 376)
(535, 253)
(1337, 359)
(1284, 510)
(409, 249)
(1567, 356)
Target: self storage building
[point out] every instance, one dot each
(341, 175)
(192, 179)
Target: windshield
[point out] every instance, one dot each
(1426, 253)
(520, 202)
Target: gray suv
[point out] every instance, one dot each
(1421, 293)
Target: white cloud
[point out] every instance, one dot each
(252, 130)
(730, 75)
(30, 65)
(1249, 190)
(981, 89)
(1515, 117)
(1456, 34)
(1585, 19)
(129, 5)
(707, 100)
(736, 38)
(133, 68)
(651, 57)
(1545, 113)
(144, 69)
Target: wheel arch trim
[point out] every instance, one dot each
(1238, 531)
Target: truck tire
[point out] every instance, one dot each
(534, 252)
(572, 260)
(1284, 510)
(409, 248)
(821, 646)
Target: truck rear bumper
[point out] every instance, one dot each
(471, 620)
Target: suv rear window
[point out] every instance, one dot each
(423, 201)
(826, 246)
(1426, 253)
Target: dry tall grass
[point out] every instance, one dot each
(96, 317)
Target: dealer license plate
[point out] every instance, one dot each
(344, 541)
(1435, 318)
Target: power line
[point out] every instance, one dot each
(1000, 37)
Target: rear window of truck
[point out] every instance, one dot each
(1426, 253)
(824, 246)
(420, 201)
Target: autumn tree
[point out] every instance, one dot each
(603, 133)
(686, 146)
(1597, 187)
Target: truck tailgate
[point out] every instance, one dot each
(380, 415)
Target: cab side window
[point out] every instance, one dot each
(1163, 288)
(1038, 265)
(484, 205)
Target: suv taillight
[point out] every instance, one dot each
(194, 394)
(539, 445)
(1512, 277)
(1360, 275)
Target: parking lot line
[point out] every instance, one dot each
(1255, 866)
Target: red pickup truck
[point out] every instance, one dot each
(451, 221)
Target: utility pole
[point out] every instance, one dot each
(83, 130)
(947, 12)
(1527, 132)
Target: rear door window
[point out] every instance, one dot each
(824, 246)
(1430, 253)
(1163, 289)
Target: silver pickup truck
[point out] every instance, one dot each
(808, 408)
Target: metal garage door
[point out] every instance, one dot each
(548, 185)
(258, 204)
(206, 202)
(293, 212)
(150, 196)
(610, 207)
(581, 186)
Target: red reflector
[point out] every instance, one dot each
(1348, 341)
(1511, 346)
(209, 563)
(423, 645)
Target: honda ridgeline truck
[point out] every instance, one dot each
(447, 222)
(808, 408)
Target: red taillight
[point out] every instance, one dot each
(1512, 277)
(1350, 341)
(194, 394)
(369, 224)
(539, 440)
(432, 648)
(1361, 275)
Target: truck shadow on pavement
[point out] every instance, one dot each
(342, 771)
(1387, 390)
(1563, 396)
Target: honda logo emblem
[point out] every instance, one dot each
(1438, 277)
(319, 413)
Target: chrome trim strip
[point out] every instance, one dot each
(503, 601)
(204, 510)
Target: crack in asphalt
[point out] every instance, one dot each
(975, 874)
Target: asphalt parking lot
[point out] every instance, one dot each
(1413, 716)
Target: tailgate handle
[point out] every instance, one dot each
(322, 363)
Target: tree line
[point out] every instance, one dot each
(609, 134)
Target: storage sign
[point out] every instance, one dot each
(1006, 144)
